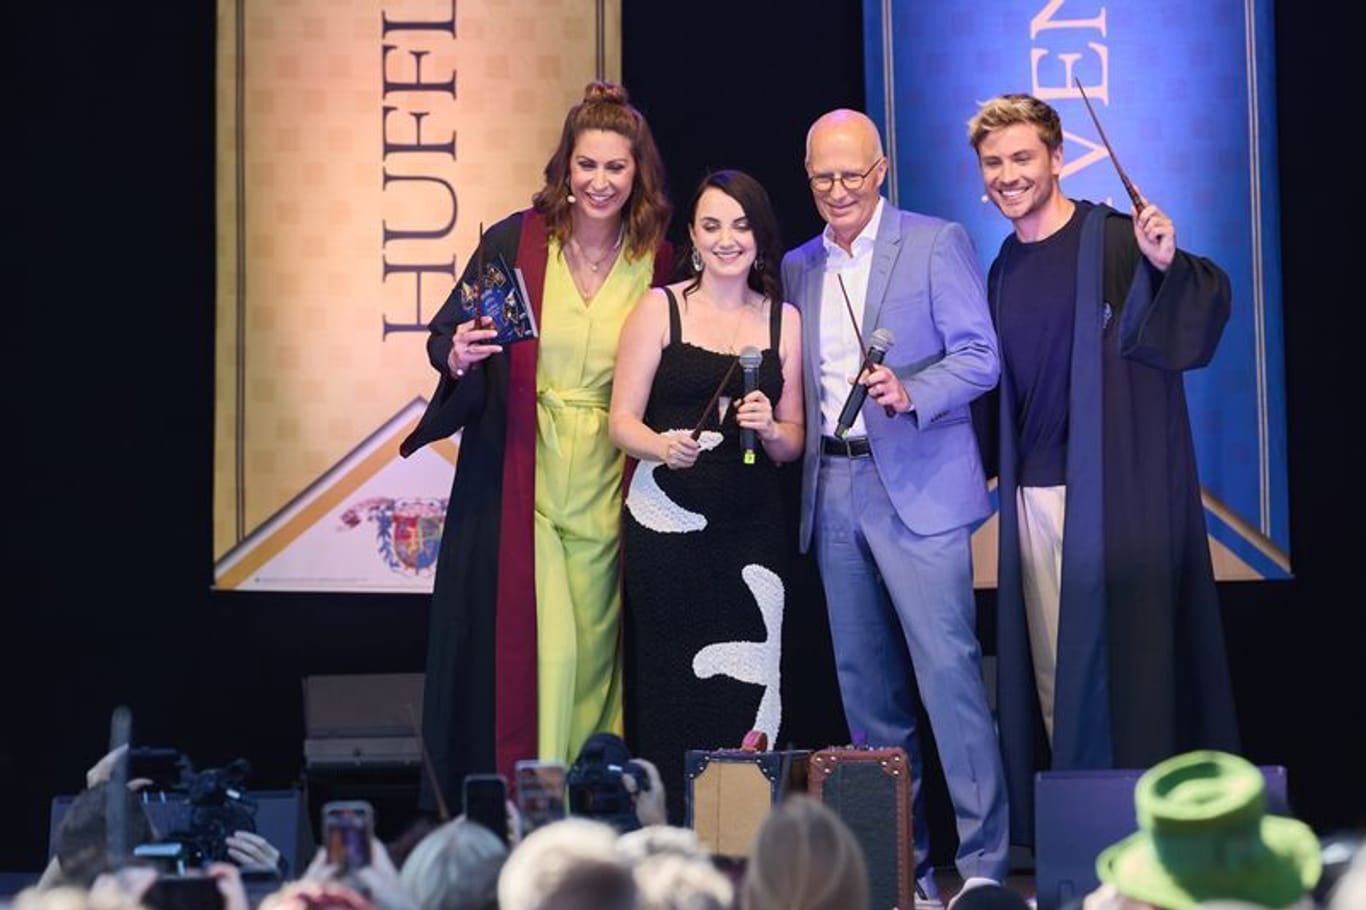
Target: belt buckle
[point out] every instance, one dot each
(844, 446)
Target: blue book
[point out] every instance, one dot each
(499, 294)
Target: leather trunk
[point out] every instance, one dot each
(730, 791)
(870, 789)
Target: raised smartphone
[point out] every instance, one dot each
(540, 792)
(348, 827)
(486, 797)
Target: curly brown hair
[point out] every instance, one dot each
(606, 106)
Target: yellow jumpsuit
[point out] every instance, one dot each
(578, 506)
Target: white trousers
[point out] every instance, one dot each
(1042, 510)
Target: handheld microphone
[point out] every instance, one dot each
(750, 358)
(881, 340)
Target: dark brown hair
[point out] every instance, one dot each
(605, 106)
(768, 246)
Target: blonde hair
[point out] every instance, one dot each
(654, 840)
(559, 859)
(667, 881)
(70, 897)
(804, 858)
(455, 867)
(1008, 110)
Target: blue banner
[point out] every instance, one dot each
(1186, 95)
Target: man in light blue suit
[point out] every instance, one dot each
(890, 506)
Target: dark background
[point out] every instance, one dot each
(107, 562)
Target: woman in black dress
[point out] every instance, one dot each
(704, 539)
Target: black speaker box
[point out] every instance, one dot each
(362, 721)
(1077, 814)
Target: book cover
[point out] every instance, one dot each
(500, 296)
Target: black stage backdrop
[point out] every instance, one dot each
(109, 397)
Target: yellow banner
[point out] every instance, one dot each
(360, 146)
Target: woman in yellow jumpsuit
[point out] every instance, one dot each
(524, 655)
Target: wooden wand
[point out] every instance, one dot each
(1136, 199)
(730, 371)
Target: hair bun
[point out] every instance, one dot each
(600, 92)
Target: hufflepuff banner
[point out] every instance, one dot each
(360, 145)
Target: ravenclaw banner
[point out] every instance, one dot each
(1185, 94)
(360, 145)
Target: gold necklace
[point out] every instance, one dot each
(739, 321)
(735, 332)
(592, 265)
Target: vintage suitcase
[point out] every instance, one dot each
(731, 790)
(870, 789)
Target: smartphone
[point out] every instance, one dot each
(348, 827)
(486, 797)
(183, 892)
(540, 793)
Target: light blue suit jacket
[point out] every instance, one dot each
(926, 286)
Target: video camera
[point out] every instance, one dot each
(193, 812)
(595, 784)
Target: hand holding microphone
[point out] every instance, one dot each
(878, 345)
(886, 389)
(750, 358)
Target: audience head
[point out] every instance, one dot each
(804, 858)
(306, 894)
(1348, 890)
(1205, 835)
(642, 203)
(81, 840)
(660, 840)
(70, 897)
(673, 871)
(709, 211)
(670, 881)
(455, 867)
(571, 864)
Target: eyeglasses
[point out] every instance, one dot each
(824, 183)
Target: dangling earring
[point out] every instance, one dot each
(569, 194)
(696, 260)
(758, 264)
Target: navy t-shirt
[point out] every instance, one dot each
(1037, 299)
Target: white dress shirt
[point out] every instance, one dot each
(840, 353)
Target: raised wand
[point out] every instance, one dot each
(1123, 177)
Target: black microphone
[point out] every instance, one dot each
(877, 349)
(750, 358)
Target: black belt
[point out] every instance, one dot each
(849, 447)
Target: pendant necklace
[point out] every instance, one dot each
(735, 332)
(594, 266)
